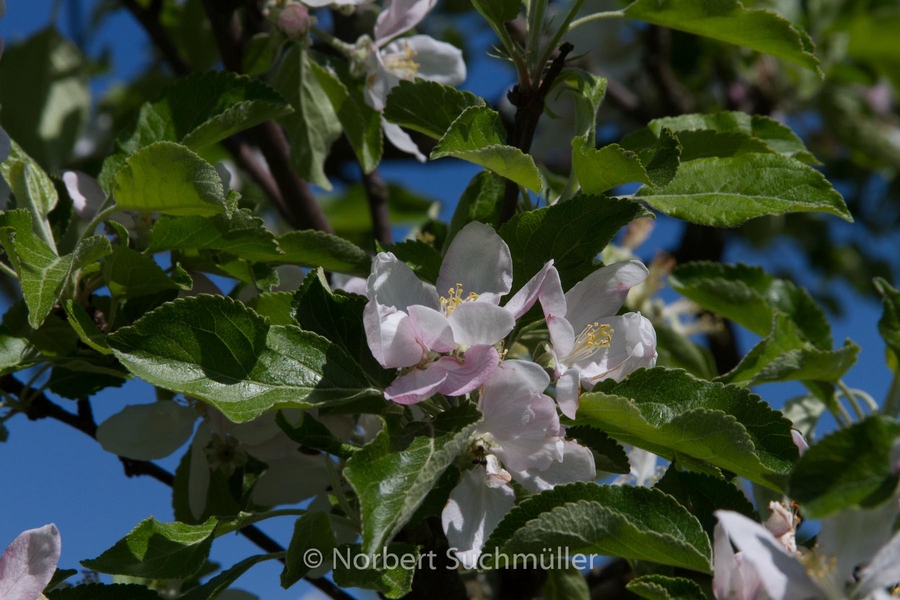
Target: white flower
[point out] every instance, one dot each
(589, 342)
(29, 562)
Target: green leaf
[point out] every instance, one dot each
(728, 21)
(390, 571)
(565, 584)
(611, 166)
(217, 350)
(725, 192)
(16, 351)
(129, 274)
(422, 258)
(427, 106)
(480, 201)
(42, 273)
(98, 591)
(609, 456)
(849, 467)
(671, 413)
(85, 327)
(32, 187)
(704, 494)
(571, 233)
(339, 318)
(313, 249)
(786, 356)
(221, 582)
(478, 136)
(59, 576)
(498, 12)
(314, 125)
(45, 96)
(660, 587)
(393, 474)
(361, 122)
(275, 306)
(311, 531)
(243, 235)
(750, 297)
(158, 551)
(889, 324)
(312, 434)
(587, 91)
(169, 178)
(676, 351)
(724, 134)
(632, 522)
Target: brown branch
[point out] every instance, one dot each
(674, 98)
(377, 193)
(529, 105)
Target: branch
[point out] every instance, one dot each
(149, 20)
(529, 108)
(377, 193)
(676, 100)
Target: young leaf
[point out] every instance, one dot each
(565, 584)
(312, 531)
(158, 551)
(571, 233)
(314, 125)
(671, 413)
(312, 434)
(221, 582)
(427, 106)
(889, 324)
(850, 467)
(750, 297)
(609, 456)
(217, 350)
(313, 249)
(498, 12)
(393, 474)
(130, 274)
(725, 192)
(587, 90)
(389, 572)
(636, 523)
(86, 328)
(33, 188)
(704, 494)
(275, 306)
(728, 21)
(243, 235)
(99, 591)
(169, 178)
(481, 201)
(660, 587)
(611, 166)
(478, 136)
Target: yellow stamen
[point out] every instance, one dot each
(454, 298)
(592, 338)
(403, 66)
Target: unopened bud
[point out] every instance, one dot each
(294, 21)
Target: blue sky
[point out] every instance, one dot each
(52, 473)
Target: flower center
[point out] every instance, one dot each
(455, 297)
(592, 338)
(403, 64)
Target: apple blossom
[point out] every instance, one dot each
(29, 562)
(519, 438)
(444, 341)
(589, 342)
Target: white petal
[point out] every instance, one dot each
(391, 336)
(733, 579)
(480, 323)
(643, 466)
(29, 562)
(348, 283)
(393, 283)
(86, 194)
(480, 261)
(783, 577)
(5, 143)
(577, 465)
(525, 298)
(417, 385)
(290, 480)
(513, 379)
(536, 437)
(602, 293)
(401, 140)
(379, 81)
(480, 362)
(147, 431)
(884, 568)
(472, 512)
(435, 61)
(399, 16)
(323, 3)
(369, 426)
(632, 347)
(799, 441)
(495, 475)
(200, 475)
(568, 388)
(431, 328)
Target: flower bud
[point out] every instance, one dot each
(294, 21)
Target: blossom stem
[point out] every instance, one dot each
(339, 492)
(600, 16)
(339, 45)
(536, 11)
(284, 512)
(851, 398)
(8, 271)
(892, 402)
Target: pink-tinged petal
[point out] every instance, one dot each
(472, 512)
(577, 465)
(435, 60)
(514, 380)
(568, 388)
(495, 474)
(394, 284)
(883, 571)
(553, 300)
(480, 362)
(480, 261)
(399, 16)
(732, 578)
(29, 562)
(603, 292)
(291, 479)
(535, 441)
(799, 441)
(524, 299)
(781, 574)
(417, 385)
(562, 337)
(854, 536)
(86, 194)
(633, 346)
(431, 328)
(480, 323)
(348, 283)
(391, 336)
(401, 140)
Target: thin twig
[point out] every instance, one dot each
(377, 194)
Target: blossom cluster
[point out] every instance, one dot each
(448, 340)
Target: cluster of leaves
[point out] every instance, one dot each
(122, 280)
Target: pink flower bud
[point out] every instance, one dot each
(294, 21)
